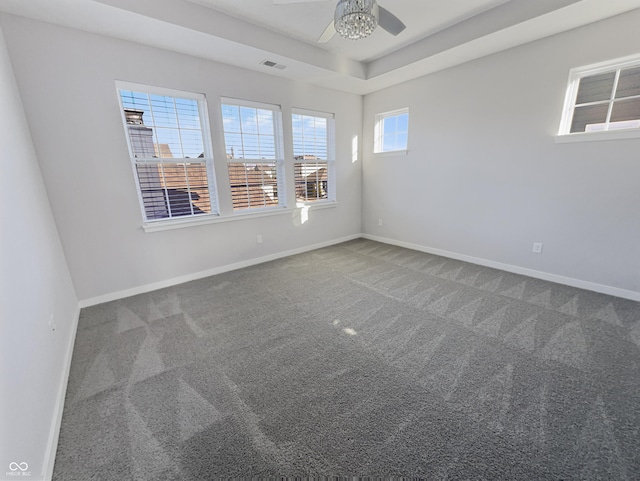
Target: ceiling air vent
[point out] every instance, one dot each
(270, 63)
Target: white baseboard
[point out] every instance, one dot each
(568, 281)
(54, 432)
(209, 272)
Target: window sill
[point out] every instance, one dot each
(391, 153)
(598, 136)
(209, 219)
(325, 204)
(217, 219)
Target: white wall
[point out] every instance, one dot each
(484, 177)
(34, 284)
(67, 80)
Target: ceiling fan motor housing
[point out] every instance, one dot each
(356, 19)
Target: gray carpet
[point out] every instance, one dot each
(360, 359)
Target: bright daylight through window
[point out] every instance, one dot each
(314, 156)
(170, 152)
(391, 131)
(255, 155)
(603, 98)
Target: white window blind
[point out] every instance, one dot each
(391, 131)
(255, 154)
(604, 97)
(314, 155)
(170, 151)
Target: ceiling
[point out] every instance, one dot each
(439, 33)
(307, 20)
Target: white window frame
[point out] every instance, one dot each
(575, 75)
(379, 131)
(279, 148)
(169, 223)
(331, 154)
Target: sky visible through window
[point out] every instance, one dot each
(249, 132)
(394, 132)
(175, 122)
(309, 136)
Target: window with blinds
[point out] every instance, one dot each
(602, 98)
(313, 153)
(255, 154)
(170, 151)
(391, 131)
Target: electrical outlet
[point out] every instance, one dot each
(537, 247)
(259, 239)
(380, 222)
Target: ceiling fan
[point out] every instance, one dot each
(356, 19)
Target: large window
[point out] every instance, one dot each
(314, 156)
(603, 98)
(167, 133)
(255, 156)
(392, 131)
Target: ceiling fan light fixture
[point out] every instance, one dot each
(356, 19)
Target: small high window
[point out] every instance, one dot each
(391, 131)
(603, 98)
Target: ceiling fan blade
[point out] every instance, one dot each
(328, 33)
(390, 22)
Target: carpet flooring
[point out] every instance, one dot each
(360, 359)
